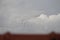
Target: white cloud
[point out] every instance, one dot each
(51, 22)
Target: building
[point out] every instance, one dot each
(9, 36)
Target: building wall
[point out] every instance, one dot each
(9, 36)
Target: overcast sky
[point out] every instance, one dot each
(29, 16)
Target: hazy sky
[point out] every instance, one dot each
(29, 16)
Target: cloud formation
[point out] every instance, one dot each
(22, 19)
(27, 23)
(51, 22)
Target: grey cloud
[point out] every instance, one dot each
(29, 16)
(51, 6)
(38, 24)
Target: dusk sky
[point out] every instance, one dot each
(29, 16)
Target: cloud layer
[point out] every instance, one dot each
(24, 19)
(27, 23)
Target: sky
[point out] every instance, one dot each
(29, 16)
